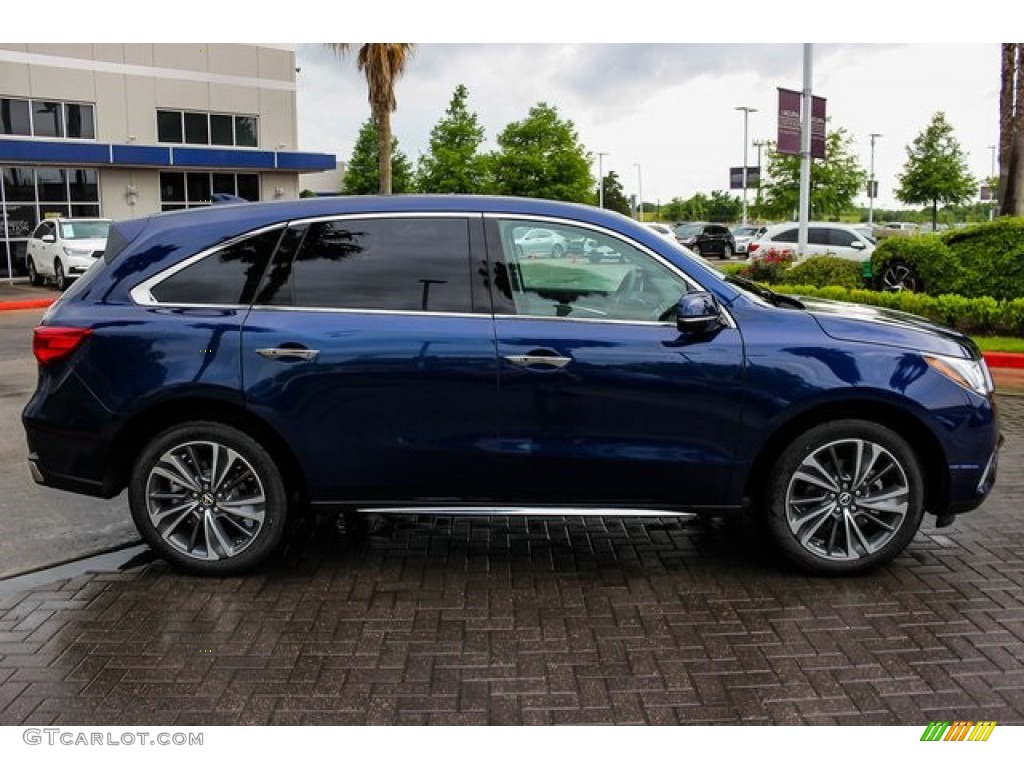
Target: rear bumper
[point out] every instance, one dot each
(85, 486)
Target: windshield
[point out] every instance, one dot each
(687, 230)
(744, 231)
(84, 230)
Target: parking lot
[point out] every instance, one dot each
(536, 621)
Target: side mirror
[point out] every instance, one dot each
(698, 312)
(857, 244)
(49, 238)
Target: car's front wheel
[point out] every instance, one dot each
(208, 498)
(845, 497)
(727, 252)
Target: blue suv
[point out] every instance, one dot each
(236, 366)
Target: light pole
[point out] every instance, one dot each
(760, 144)
(639, 194)
(746, 116)
(871, 182)
(600, 179)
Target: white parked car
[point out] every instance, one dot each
(664, 230)
(63, 249)
(743, 235)
(540, 242)
(824, 238)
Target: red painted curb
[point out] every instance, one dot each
(26, 304)
(1003, 359)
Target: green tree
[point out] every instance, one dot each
(936, 170)
(454, 164)
(382, 64)
(836, 181)
(614, 195)
(723, 207)
(362, 174)
(541, 156)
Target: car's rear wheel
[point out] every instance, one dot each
(59, 277)
(845, 497)
(33, 274)
(696, 249)
(727, 252)
(209, 498)
(900, 276)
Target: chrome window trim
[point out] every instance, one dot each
(687, 279)
(344, 311)
(142, 294)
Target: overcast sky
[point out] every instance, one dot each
(670, 108)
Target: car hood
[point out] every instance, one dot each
(87, 244)
(845, 321)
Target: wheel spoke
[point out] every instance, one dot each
(814, 473)
(172, 469)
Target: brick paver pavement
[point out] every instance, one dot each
(511, 621)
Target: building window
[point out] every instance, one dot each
(191, 190)
(179, 127)
(27, 195)
(52, 119)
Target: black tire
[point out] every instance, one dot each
(33, 274)
(827, 526)
(59, 278)
(727, 252)
(899, 276)
(227, 514)
(696, 249)
(557, 252)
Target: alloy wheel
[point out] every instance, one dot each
(847, 500)
(205, 500)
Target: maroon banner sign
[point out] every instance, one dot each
(789, 122)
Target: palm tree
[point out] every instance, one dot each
(1011, 131)
(383, 64)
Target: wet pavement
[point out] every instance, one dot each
(534, 621)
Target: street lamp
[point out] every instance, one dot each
(639, 193)
(759, 144)
(746, 116)
(871, 182)
(600, 178)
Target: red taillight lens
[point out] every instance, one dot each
(50, 343)
(752, 247)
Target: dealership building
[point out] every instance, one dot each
(126, 130)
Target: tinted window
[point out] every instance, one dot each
(80, 121)
(841, 237)
(168, 127)
(228, 276)
(604, 279)
(817, 236)
(48, 118)
(222, 130)
(14, 117)
(786, 236)
(393, 264)
(245, 131)
(197, 128)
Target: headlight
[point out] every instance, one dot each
(77, 251)
(969, 374)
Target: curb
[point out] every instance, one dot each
(26, 304)
(1004, 359)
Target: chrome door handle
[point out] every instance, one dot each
(529, 361)
(284, 353)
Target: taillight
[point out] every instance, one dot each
(752, 247)
(52, 343)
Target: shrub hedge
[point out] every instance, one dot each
(979, 316)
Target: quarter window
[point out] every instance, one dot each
(400, 264)
(589, 276)
(226, 277)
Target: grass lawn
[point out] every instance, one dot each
(999, 343)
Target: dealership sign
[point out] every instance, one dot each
(789, 124)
